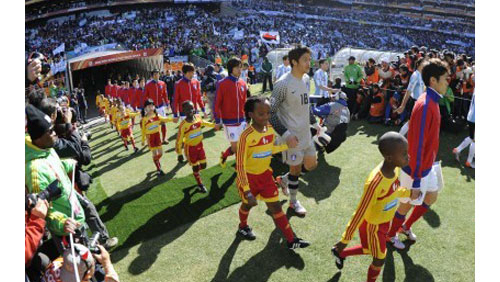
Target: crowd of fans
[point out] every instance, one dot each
(183, 30)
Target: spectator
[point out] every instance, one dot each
(321, 82)
(82, 104)
(282, 69)
(353, 75)
(377, 105)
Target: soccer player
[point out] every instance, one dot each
(469, 140)
(191, 135)
(230, 99)
(123, 122)
(150, 131)
(187, 89)
(156, 90)
(321, 82)
(291, 118)
(423, 142)
(416, 87)
(377, 206)
(107, 88)
(282, 69)
(255, 177)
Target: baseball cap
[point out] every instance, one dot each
(38, 123)
(84, 262)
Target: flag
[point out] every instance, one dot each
(58, 50)
(270, 37)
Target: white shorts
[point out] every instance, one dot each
(294, 156)
(162, 111)
(432, 182)
(233, 132)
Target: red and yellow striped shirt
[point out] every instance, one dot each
(152, 125)
(190, 133)
(254, 153)
(378, 203)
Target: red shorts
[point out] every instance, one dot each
(126, 133)
(195, 155)
(154, 141)
(262, 187)
(373, 238)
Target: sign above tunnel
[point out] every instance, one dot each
(115, 58)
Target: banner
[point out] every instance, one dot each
(115, 58)
(59, 49)
(58, 67)
(270, 37)
(238, 35)
(82, 22)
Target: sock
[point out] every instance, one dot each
(417, 213)
(472, 152)
(352, 251)
(243, 217)
(293, 187)
(163, 132)
(464, 144)
(397, 221)
(197, 177)
(133, 142)
(373, 272)
(227, 153)
(156, 160)
(304, 170)
(404, 129)
(282, 223)
(125, 143)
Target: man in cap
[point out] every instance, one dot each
(62, 269)
(353, 75)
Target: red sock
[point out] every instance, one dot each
(243, 217)
(352, 251)
(397, 221)
(282, 222)
(197, 177)
(132, 141)
(417, 213)
(164, 132)
(227, 153)
(373, 272)
(125, 142)
(156, 160)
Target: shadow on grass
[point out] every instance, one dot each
(335, 277)
(177, 218)
(106, 165)
(261, 266)
(322, 181)
(413, 272)
(432, 218)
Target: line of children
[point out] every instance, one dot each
(124, 125)
(191, 136)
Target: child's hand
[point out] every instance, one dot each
(340, 246)
(251, 199)
(180, 158)
(415, 193)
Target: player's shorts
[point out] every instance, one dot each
(195, 155)
(162, 110)
(126, 133)
(373, 238)
(154, 141)
(432, 182)
(233, 132)
(294, 156)
(262, 186)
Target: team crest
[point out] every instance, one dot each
(231, 135)
(293, 157)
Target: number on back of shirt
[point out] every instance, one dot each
(304, 100)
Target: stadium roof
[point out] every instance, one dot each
(95, 55)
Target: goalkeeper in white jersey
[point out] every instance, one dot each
(291, 118)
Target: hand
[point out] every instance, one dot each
(251, 199)
(340, 246)
(217, 127)
(415, 193)
(292, 141)
(34, 69)
(68, 115)
(176, 119)
(70, 225)
(400, 110)
(180, 158)
(103, 258)
(40, 209)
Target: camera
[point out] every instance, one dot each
(91, 243)
(45, 66)
(51, 193)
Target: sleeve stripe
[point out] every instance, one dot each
(417, 173)
(362, 207)
(241, 158)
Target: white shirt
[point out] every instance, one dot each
(321, 79)
(416, 85)
(282, 69)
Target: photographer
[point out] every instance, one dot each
(72, 144)
(353, 75)
(34, 228)
(62, 268)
